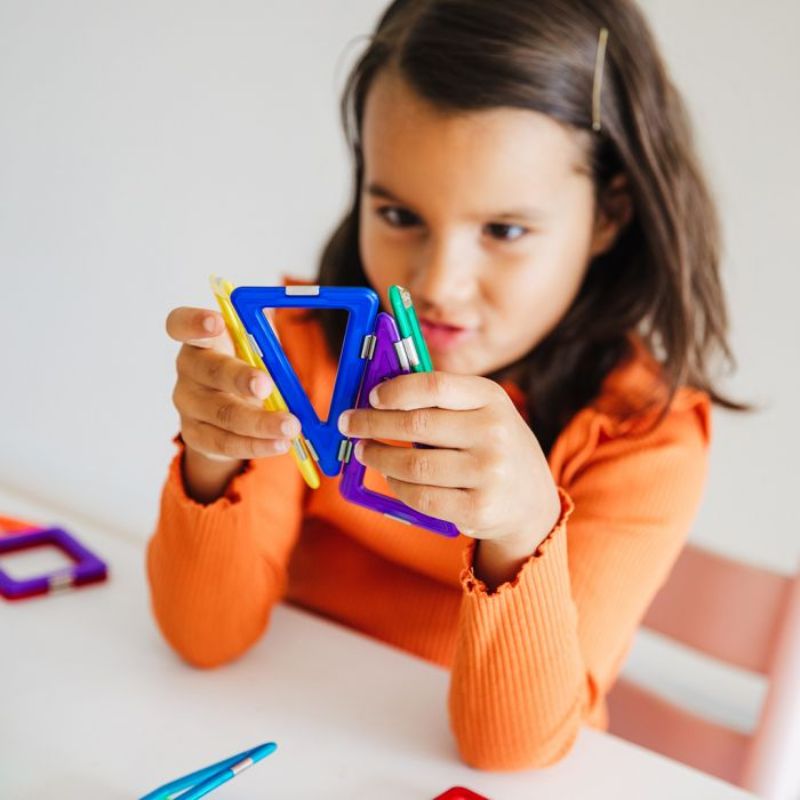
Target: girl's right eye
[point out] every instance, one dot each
(397, 217)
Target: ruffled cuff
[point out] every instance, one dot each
(544, 554)
(176, 487)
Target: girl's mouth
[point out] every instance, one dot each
(443, 337)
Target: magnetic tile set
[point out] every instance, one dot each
(377, 346)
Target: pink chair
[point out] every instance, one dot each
(742, 616)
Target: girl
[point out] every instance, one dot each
(525, 168)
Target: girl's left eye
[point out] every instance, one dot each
(397, 217)
(505, 233)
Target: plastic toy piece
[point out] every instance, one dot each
(222, 291)
(460, 793)
(88, 568)
(388, 361)
(200, 783)
(362, 304)
(410, 330)
(9, 525)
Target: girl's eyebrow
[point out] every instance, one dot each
(376, 190)
(527, 213)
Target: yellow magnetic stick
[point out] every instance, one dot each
(222, 291)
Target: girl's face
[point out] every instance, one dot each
(486, 217)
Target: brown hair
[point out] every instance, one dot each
(661, 277)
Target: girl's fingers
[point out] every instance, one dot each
(216, 394)
(188, 324)
(212, 441)
(447, 504)
(223, 373)
(231, 414)
(433, 426)
(453, 469)
(435, 390)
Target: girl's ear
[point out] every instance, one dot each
(614, 212)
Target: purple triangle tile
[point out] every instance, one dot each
(385, 364)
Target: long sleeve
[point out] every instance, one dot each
(216, 571)
(535, 659)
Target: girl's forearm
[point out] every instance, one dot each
(518, 680)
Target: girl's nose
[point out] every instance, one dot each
(443, 276)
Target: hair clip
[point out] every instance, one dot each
(597, 86)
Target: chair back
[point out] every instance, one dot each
(743, 616)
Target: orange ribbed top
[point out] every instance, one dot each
(529, 662)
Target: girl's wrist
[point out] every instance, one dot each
(206, 479)
(499, 560)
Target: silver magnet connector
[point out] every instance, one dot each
(254, 345)
(345, 450)
(411, 350)
(312, 450)
(402, 356)
(368, 346)
(302, 291)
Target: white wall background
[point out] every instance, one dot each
(144, 145)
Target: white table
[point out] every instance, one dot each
(95, 705)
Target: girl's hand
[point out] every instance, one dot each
(220, 402)
(486, 472)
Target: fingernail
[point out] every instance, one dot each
(290, 427)
(210, 324)
(358, 451)
(281, 446)
(259, 386)
(373, 398)
(344, 422)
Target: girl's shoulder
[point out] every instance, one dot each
(634, 414)
(635, 395)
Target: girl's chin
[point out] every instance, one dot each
(466, 362)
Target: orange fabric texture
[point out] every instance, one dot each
(529, 662)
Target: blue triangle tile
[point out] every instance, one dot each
(362, 304)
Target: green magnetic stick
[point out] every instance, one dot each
(410, 331)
